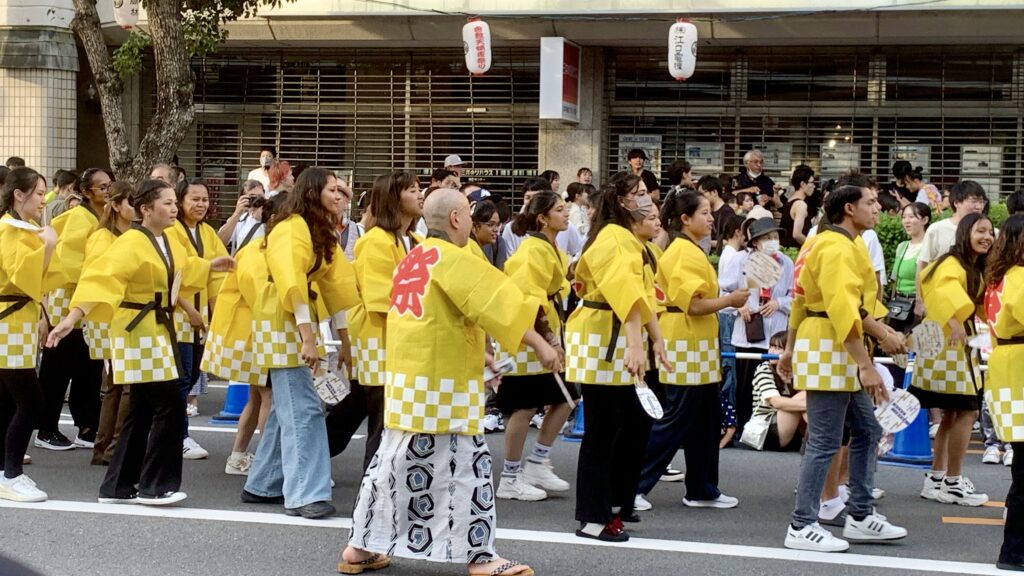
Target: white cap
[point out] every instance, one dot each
(453, 160)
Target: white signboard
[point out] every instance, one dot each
(981, 160)
(559, 79)
(706, 157)
(778, 156)
(916, 154)
(839, 157)
(649, 143)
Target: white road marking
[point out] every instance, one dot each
(222, 429)
(687, 547)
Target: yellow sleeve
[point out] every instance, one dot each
(70, 250)
(619, 276)
(686, 279)
(289, 255)
(22, 254)
(488, 298)
(213, 248)
(251, 272)
(530, 271)
(96, 245)
(840, 290)
(339, 285)
(945, 294)
(195, 274)
(375, 263)
(105, 282)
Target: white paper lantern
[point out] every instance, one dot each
(126, 13)
(682, 49)
(476, 39)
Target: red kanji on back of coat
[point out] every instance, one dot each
(411, 279)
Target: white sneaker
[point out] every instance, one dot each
(191, 450)
(165, 499)
(83, 443)
(192, 410)
(543, 477)
(877, 493)
(722, 501)
(641, 504)
(515, 488)
(872, 527)
(492, 422)
(992, 455)
(673, 475)
(537, 421)
(933, 430)
(21, 489)
(931, 488)
(960, 492)
(238, 465)
(1008, 457)
(814, 538)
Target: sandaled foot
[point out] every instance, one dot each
(501, 567)
(359, 561)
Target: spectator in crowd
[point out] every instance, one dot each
(585, 176)
(731, 243)
(281, 178)
(745, 203)
(888, 203)
(777, 403)
(261, 173)
(474, 192)
(454, 164)
(797, 215)
(578, 196)
(711, 188)
(14, 162)
(728, 427)
(680, 176)
(66, 196)
(569, 240)
(924, 192)
(486, 223)
(163, 173)
(637, 159)
(900, 169)
(4, 171)
(439, 178)
(553, 178)
(247, 217)
(178, 174)
(499, 251)
(1015, 203)
(916, 217)
(752, 179)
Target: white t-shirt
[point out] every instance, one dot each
(938, 239)
(246, 222)
(569, 240)
(262, 176)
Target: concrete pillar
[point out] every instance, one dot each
(38, 64)
(565, 147)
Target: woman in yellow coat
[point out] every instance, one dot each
(1004, 389)
(133, 286)
(396, 207)
(539, 269)
(192, 314)
(70, 361)
(116, 219)
(292, 465)
(605, 353)
(25, 254)
(688, 286)
(953, 288)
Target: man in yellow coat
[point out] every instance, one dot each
(427, 493)
(834, 297)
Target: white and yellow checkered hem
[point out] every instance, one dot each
(58, 304)
(231, 361)
(97, 338)
(585, 364)
(696, 362)
(279, 349)
(415, 404)
(823, 365)
(369, 359)
(149, 359)
(1006, 405)
(19, 343)
(183, 330)
(947, 373)
(525, 362)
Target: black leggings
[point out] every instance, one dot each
(20, 402)
(70, 362)
(1012, 551)
(362, 403)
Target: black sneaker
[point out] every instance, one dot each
(673, 475)
(1010, 566)
(313, 510)
(250, 498)
(53, 441)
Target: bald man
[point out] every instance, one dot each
(427, 493)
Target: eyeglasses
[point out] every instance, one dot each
(101, 187)
(491, 225)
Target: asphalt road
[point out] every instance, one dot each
(213, 533)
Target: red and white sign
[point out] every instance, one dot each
(476, 40)
(559, 79)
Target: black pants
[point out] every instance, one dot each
(693, 419)
(20, 402)
(69, 362)
(612, 451)
(149, 450)
(1012, 551)
(363, 402)
(745, 387)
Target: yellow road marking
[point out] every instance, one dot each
(972, 521)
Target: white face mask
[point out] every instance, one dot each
(753, 175)
(644, 205)
(770, 247)
(266, 161)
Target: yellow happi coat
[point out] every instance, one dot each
(954, 370)
(475, 248)
(538, 268)
(610, 274)
(833, 275)
(377, 253)
(691, 342)
(1004, 387)
(228, 353)
(97, 334)
(444, 301)
(22, 253)
(293, 271)
(73, 230)
(207, 246)
(132, 273)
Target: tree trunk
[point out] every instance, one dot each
(174, 109)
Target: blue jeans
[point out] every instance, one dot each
(826, 414)
(293, 459)
(725, 325)
(188, 377)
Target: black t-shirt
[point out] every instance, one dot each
(650, 180)
(765, 184)
(721, 216)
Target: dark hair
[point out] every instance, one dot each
(742, 197)
(889, 203)
(854, 177)
(273, 205)
(636, 153)
(15, 162)
(1015, 202)
(439, 174)
(1007, 252)
(676, 171)
(178, 173)
(801, 175)
(607, 209)
(24, 179)
(483, 211)
(675, 206)
(305, 201)
(64, 178)
(965, 189)
(550, 175)
(531, 184)
(271, 149)
(915, 174)
(4, 171)
(730, 227)
(119, 191)
(575, 189)
(726, 181)
(146, 194)
(386, 201)
(973, 264)
(921, 210)
(181, 190)
(901, 168)
(835, 204)
(582, 170)
(709, 183)
(779, 339)
(85, 183)
(504, 210)
(528, 220)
